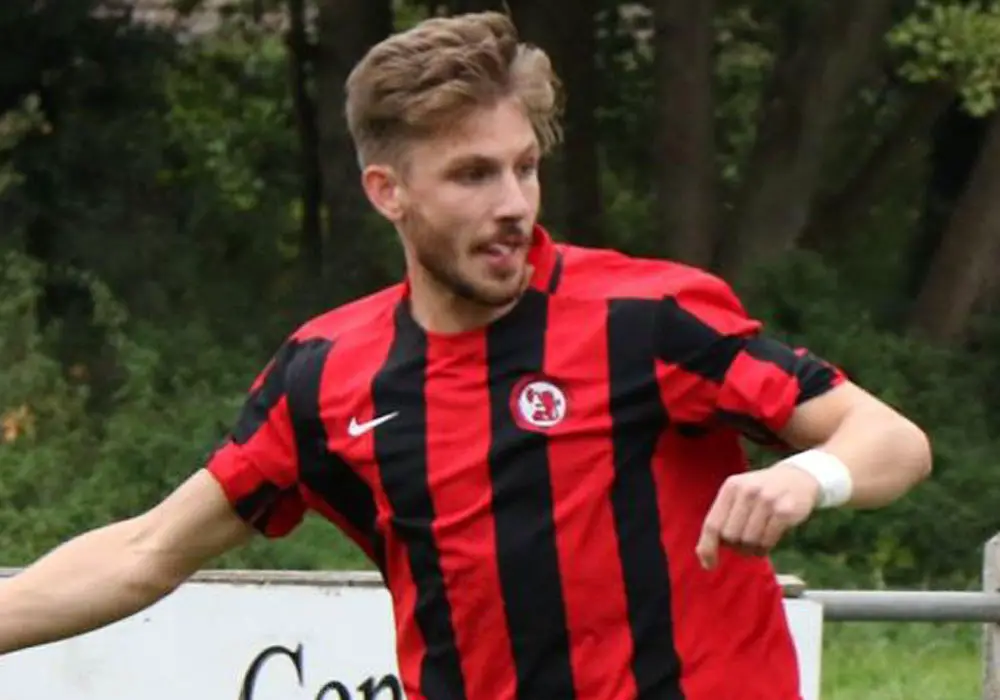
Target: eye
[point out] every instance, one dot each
(528, 168)
(474, 174)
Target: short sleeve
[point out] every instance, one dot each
(716, 364)
(257, 464)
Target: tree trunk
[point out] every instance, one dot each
(566, 30)
(808, 88)
(311, 244)
(346, 30)
(837, 216)
(963, 262)
(685, 143)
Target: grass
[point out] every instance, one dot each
(901, 661)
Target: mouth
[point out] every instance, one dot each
(501, 251)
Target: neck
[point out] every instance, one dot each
(439, 310)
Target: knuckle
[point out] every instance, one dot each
(730, 484)
(730, 534)
(784, 511)
(770, 498)
(740, 482)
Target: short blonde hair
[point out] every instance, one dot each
(416, 83)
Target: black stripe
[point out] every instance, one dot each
(324, 472)
(401, 452)
(815, 377)
(259, 403)
(750, 428)
(557, 271)
(257, 507)
(684, 339)
(773, 352)
(523, 512)
(638, 419)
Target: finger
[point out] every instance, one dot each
(777, 525)
(755, 529)
(744, 504)
(707, 548)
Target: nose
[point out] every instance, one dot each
(514, 201)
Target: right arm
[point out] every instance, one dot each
(115, 571)
(249, 485)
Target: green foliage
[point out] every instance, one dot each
(64, 468)
(953, 42)
(231, 112)
(169, 171)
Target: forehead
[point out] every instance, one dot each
(499, 131)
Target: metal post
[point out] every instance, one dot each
(991, 631)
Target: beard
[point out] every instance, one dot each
(436, 253)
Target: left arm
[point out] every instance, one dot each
(853, 449)
(885, 453)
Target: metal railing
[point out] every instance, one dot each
(924, 606)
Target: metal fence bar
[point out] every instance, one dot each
(907, 606)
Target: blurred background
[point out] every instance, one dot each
(178, 191)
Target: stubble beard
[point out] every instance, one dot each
(441, 263)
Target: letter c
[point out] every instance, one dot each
(250, 679)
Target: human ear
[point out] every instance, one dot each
(384, 190)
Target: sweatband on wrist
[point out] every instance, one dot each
(835, 482)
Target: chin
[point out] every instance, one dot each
(494, 295)
(495, 298)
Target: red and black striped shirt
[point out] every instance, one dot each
(533, 491)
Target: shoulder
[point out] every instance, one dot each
(304, 351)
(681, 291)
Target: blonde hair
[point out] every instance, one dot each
(418, 82)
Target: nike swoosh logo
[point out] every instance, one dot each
(355, 429)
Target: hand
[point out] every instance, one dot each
(753, 510)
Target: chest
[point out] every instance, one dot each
(455, 426)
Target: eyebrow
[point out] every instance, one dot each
(480, 159)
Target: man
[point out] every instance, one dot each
(537, 444)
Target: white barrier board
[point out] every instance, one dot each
(252, 641)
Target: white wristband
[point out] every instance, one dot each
(835, 482)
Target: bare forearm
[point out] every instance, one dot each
(885, 454)
(89, 582)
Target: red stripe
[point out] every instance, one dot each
(759, 389)
(688, 397)
(458, 411)
(582, 464)
(728, 622)
(409, 641)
